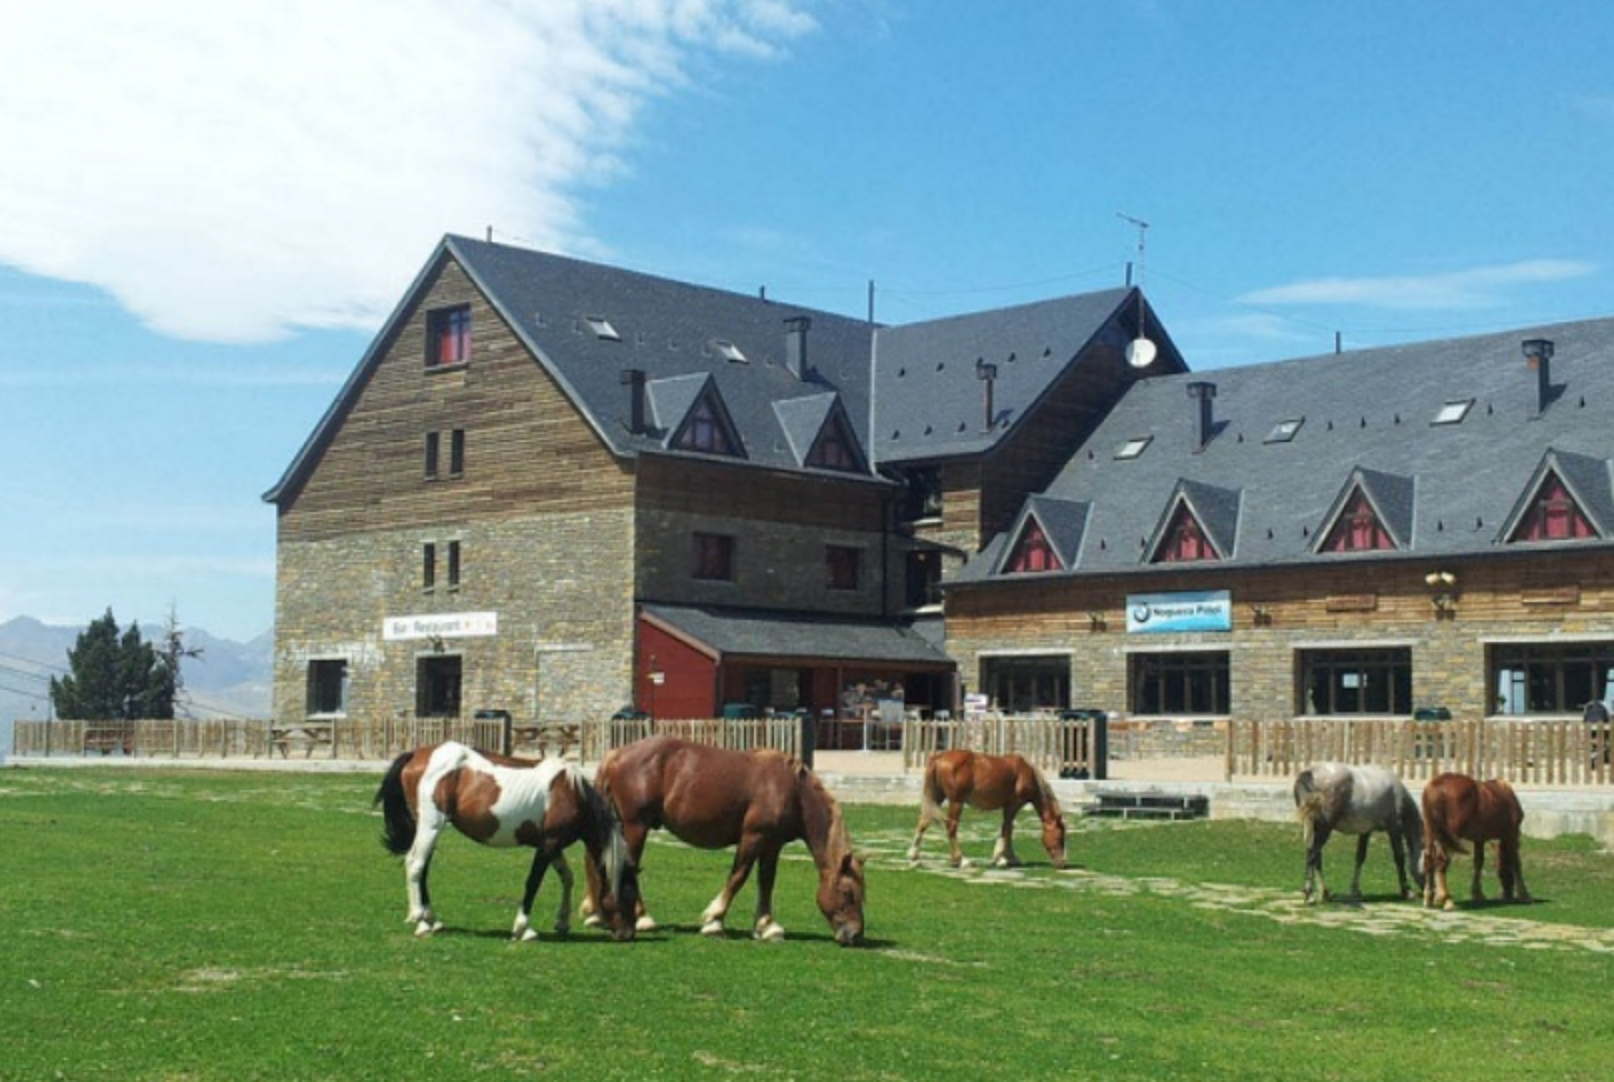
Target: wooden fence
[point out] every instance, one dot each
(1535, 753)
(1059, 747)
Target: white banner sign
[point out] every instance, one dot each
(1206, 610)
(450, 625)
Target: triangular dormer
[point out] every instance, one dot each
(820, 433)
(1046, 537)
(1373, 513)
(691, 410)
(1200, 524)
(1561, 501)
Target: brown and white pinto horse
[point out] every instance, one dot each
(755, 801)
(504, 802)
(1456, 808)
(991, 783)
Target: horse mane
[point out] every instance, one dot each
(606, 822)
(1045, 793)
(835, 834)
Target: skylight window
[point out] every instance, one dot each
(1453, 412)
(602, 328)
(1284, 431)
(728, 351)
(1134, 447)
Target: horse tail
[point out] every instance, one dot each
(398, 831)
(1437, 821)
(930, 793)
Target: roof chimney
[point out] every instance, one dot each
(633, 380)
(1204, 422)
(796, 347)
(988, 375)
(1538, 355)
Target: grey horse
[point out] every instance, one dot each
(1357, 800)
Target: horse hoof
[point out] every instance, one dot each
(562, 930)
(965, 863)
(426, 928)
(645, 924)
(527, 935)
(770, 932)
(712, 928)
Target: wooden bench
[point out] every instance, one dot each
(307, 735)
(552, 738)
(1148, 806)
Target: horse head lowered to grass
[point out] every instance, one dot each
(504, 802)
(1357, 800)
(1003, 783)
(1456, 808)
(755, 801)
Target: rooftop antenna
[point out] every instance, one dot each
(1140, 352)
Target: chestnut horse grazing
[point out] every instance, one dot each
(755, 801)
(505, 802)
(991, 783)
(1356, 800)
(1456, 808)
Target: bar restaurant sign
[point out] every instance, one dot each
(453, 625)
(1204, 610)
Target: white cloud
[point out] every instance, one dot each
(232, 171)
(1480, 287)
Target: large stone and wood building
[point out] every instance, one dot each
(558, 489)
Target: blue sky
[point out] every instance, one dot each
(209, 208)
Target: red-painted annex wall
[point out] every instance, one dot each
(689, 676)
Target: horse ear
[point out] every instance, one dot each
(851, 864)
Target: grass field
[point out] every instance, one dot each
(192, 926)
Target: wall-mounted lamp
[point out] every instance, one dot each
(1262, 615)
(1444, 597)
(1096, 621)
(436, 644)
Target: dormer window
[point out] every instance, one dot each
(1185, 540)
(1034, 553)
(1553, 515)
(705, 431)
(834, 448)
(1358, 529)
(448, 336)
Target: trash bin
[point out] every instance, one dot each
(1100, 758)
(738, 711)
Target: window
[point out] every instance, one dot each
(714, 557)
(432, 442)
(1034, 552)
(1134, 447)
(1542, 678)
(453, 565)
(448, 336)
(437, 686)
(456, 453)
(704, 431)
(1185, 540)
(833, 451)
(1553, 515)
(1358, 529)
(842, 565)
(923, 498)
(1022, 684)
(602, 328)
(1453, 412)
(922, 584)
(1188, 683)
(728, 351)
(428, 566)
(1284, 431)
(327, 686)
(1356, 681)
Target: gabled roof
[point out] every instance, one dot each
(1216, 510)
(929, 397)
(805, 420)
(673, 402)
(1587, 480)
(1445, 489)
(1390, 497)
(1061, 522)
(745, 632)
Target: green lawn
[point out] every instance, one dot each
(192, 926)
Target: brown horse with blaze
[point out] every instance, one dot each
(1456, 808)
(755, 801)
(991, 783)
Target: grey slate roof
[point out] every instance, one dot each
(1444, 490)
(929, 401)
(830, 638)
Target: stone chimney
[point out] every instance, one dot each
(1204, 421)
(1538, 355)
(796, 347)
(633, 380)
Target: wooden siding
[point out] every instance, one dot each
(526, 446)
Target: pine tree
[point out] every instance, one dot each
(113, 676)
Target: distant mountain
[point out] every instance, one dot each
(229, 679)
